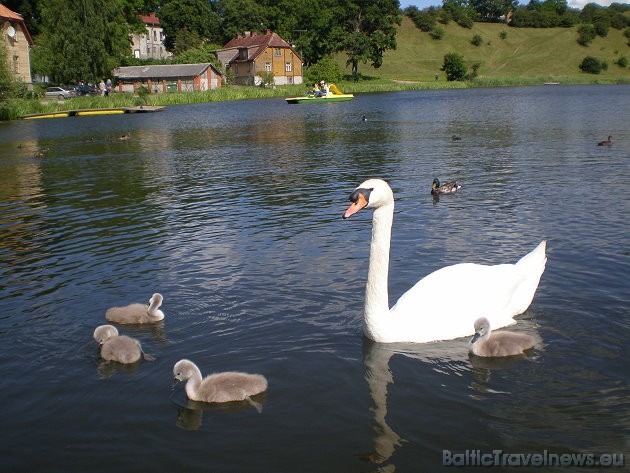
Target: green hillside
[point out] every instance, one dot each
(551, 53)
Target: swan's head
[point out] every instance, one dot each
(482, 329)
(183, 370)
(371, 194)
(156, 299)
(103, 332)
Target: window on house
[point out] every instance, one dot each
(16, 62)
(267, 67)
(136, 53)
(154, 35)
(277, 52)
(287, 67)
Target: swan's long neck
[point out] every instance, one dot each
(192, 385)
(376, 294)
(152, 310)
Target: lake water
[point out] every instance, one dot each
(233, 212)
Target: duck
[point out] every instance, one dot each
(446, 188)
(487, 343)
(228, 386)
(607, 142)
(120, 348)
(137, 313)
(470, 290)
(364, 118)
(455, 138)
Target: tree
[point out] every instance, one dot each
(238, 16)
(454, 66)
(370, 31)
(192, 19)
(461, 11)
(85, 45)
(6, 83)
(492, 10)
(314, 27)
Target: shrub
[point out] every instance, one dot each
(425, 19)
(326, 69)
(454, 66)
(592, 65)
(586, 34)
(503, 34)
(465, 21)
(437, 33)
(266, 79)
(477, 40)
(622, 62)
(473, 71)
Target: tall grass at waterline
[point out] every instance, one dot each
(17, 108)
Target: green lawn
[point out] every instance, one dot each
(550, 53)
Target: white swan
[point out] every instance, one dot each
(137, 313)
(460, 293)
(120, 348)
(501, 343)
(218, 387)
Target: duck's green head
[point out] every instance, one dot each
(436, 183)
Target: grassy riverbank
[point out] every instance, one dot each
(521, 57)
(18, 108)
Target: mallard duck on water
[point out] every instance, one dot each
(446, 188)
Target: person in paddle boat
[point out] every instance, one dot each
(323, 89)
(313, 91)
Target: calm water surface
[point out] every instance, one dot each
(233, 212)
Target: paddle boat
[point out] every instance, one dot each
(334, 95)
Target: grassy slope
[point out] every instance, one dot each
(551, 53)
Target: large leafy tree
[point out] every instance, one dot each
(238, 16)
(492, 10)
(370, 31)
(189, 24)
(314, 27)
(85, 43)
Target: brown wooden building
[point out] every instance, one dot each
(250, 54)
(17, 43)
(168, 78)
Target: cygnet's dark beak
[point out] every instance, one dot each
(175, 381)
(475, 338)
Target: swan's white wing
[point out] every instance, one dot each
(445, 304)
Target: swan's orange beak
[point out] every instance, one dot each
(356, 205)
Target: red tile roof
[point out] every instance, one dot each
(150, 19)
(6, 14)
(259, 41)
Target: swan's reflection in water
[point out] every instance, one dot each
(190, 413)
(449, 357)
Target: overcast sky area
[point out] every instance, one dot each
(572, 3)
